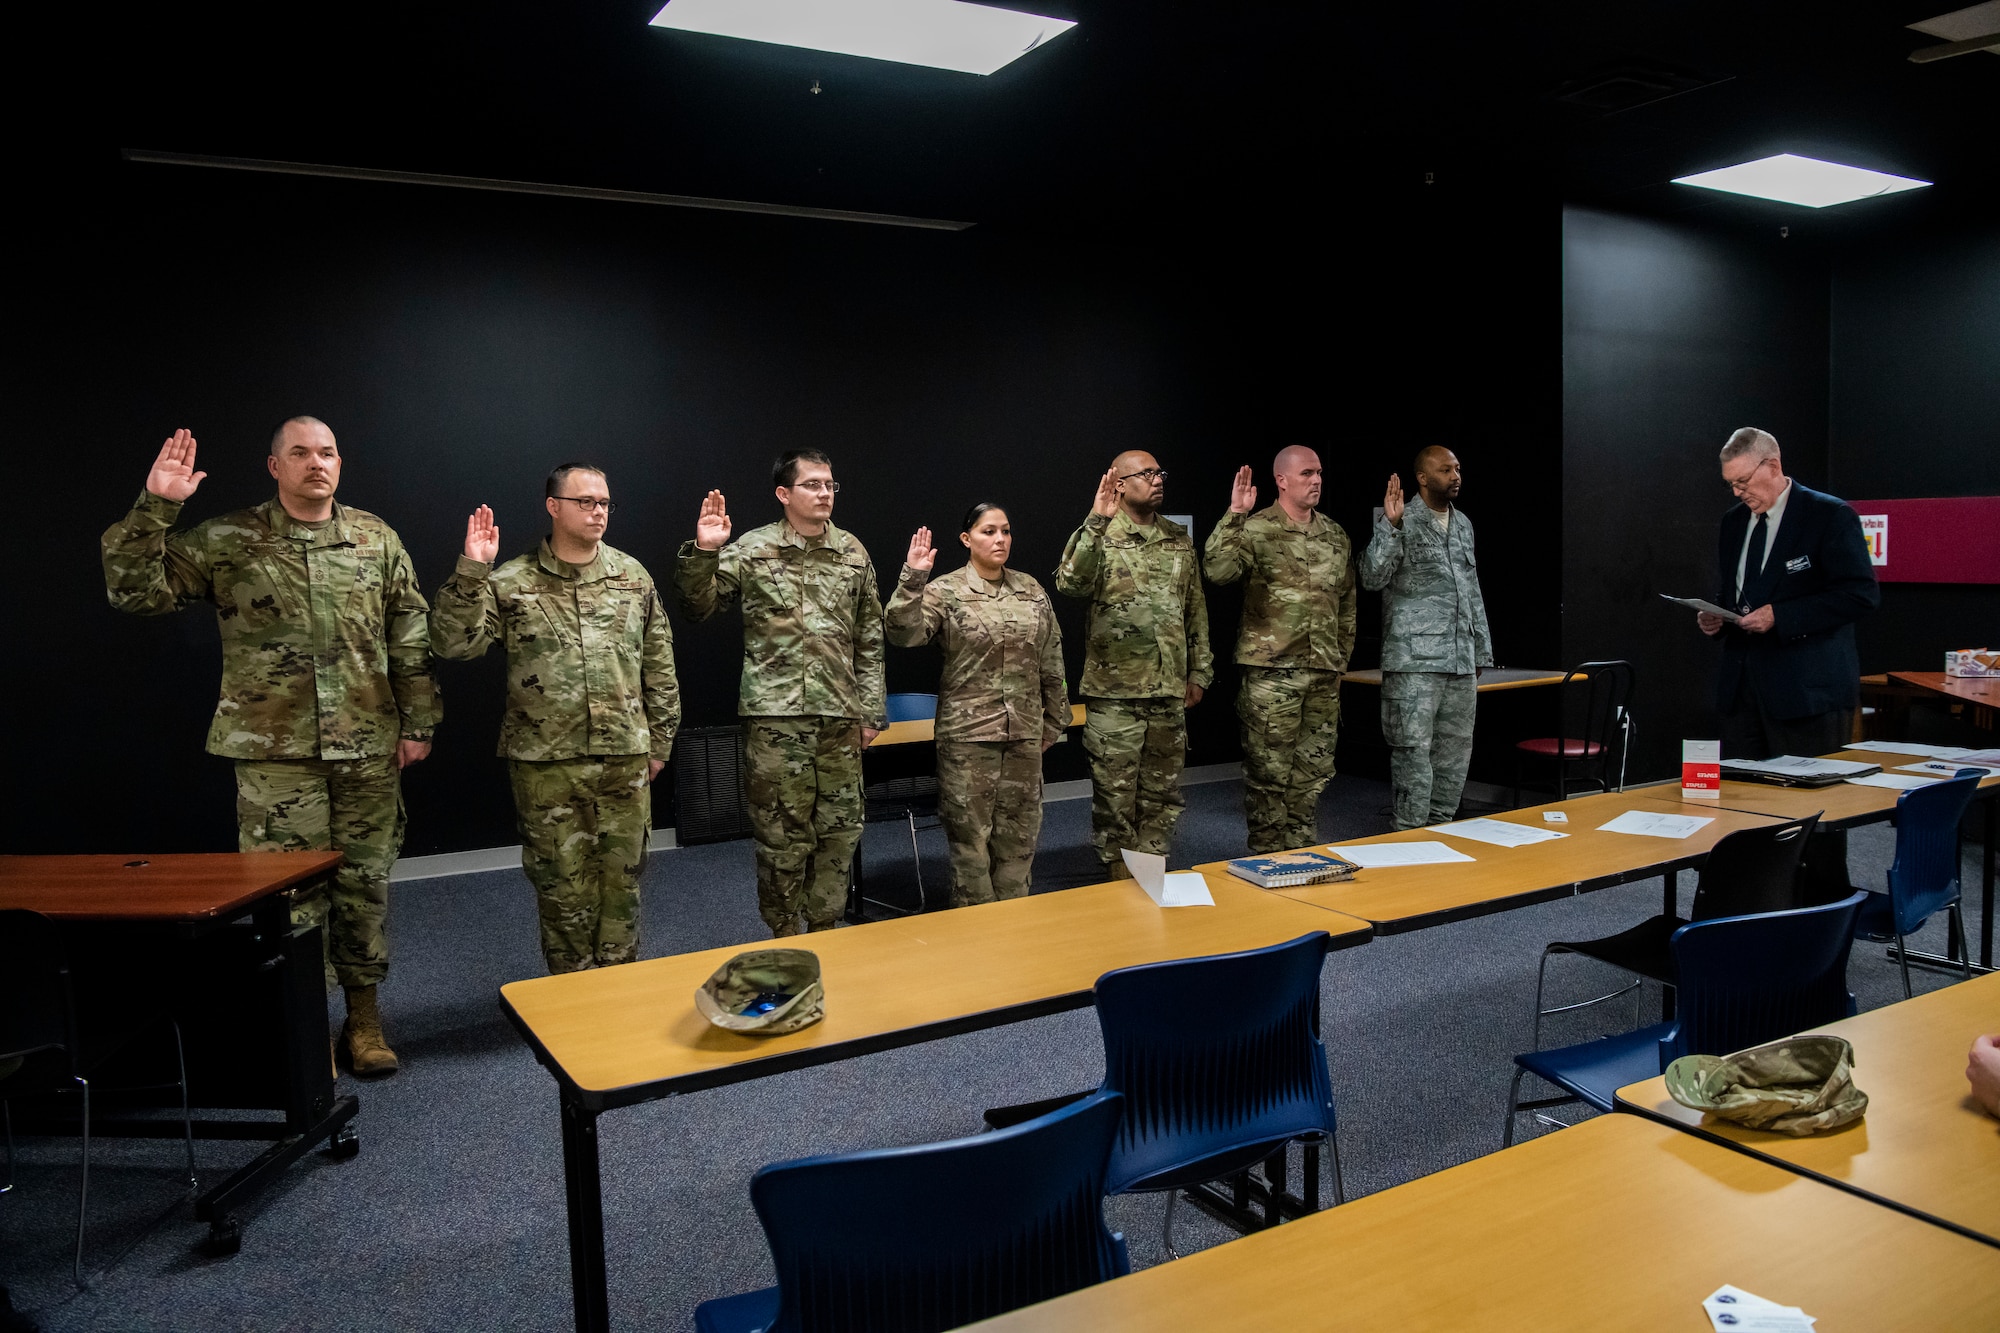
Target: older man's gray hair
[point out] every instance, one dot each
(1751, 441)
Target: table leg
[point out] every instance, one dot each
(1986, 882)
(583, 1188)
(1670, 905)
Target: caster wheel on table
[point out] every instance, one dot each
(225, 1237)
(344, 1144)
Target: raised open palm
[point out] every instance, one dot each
(173, 476)
(482, 536)
(922, 554)
(1392, 501)
(1243, 494)
(711, 530)
(1106, 501)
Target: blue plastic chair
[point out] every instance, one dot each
(911, 707)
(904, 799)
(1925, 875)
(1742, 980)
(908, 1240)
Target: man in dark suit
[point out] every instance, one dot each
(1792, 563)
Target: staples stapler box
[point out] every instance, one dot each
(1701, 770)
(1972, 662)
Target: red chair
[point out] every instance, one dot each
(1592, 717)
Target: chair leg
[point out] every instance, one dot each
(82, 1190)
(1903, 958)
(916, 857)
(187, 1121)
(1513, 1108)
(1167, 1230)
(1333, 1151)
(1958, 929)
(7, 1116)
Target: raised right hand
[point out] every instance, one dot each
(482, 537)
(1243, 495)
(922, 554)
(1392, 501)
(173, 476)
(1106, 503)
(711, 530)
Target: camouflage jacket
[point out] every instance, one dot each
(1433, 618)
(1003, 665)
(325, 651)
(1299, 608)
(590, 656)
(1148, 622)
(812, 620)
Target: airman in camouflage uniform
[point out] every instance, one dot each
(592, 707)
(1296, 636)
(1002, 700)
(812, 693)
(1147, 659)
(1434, 639)
(327, 690)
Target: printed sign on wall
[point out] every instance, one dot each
(1875, 531)
(1949, 539)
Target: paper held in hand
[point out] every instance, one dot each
(1696, 604)
(1183, 888)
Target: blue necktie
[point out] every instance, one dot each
(1753, 563)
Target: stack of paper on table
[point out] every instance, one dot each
(1657, 825)
(1378, 855)
(1498, 832)
(1911, 748)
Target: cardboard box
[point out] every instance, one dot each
(1972, 662)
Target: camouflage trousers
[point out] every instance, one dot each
(1427, 723)
(584, 824)
(351, 806)
(990, 803)
(1291, 719)
(803, 787)
(1137, 748)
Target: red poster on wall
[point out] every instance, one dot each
(1955, 540)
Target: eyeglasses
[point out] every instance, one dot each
(587, 503)
(1739, 487)
(1149, 473)
(816, 486)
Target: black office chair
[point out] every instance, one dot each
(1750, 871)
(904, 800)
(1600, 717)
(56, 1045)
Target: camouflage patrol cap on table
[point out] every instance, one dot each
(1798, 1086)
(765, 991)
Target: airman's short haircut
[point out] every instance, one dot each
(786, 470)
(278, 434)
(1749, 440)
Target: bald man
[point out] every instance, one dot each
(1146, 659)
(1434, 638)
(1293, 643)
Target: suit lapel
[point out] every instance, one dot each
(1785, 543)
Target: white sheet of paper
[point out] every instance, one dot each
(1656, 825)
(1378, 855)
(1739, 1311)
(1697, 604)
(1942, 768)
(1909, 747)
(1894, 781)
(1800, 765)
(1498, 832)
(1183, 888)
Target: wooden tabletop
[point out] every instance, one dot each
(1615, 1224)
(193, 886)
(925, 729)
(1403, 898)
(1842, 803)
(613, 1033)
(1924, 1144)
(1972, 689)
(1493, 678)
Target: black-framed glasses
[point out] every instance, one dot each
(1149, 473)
(587, 503)
(816, 486)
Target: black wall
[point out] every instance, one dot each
(460, 343)
(1673, 338)
(1916, 413)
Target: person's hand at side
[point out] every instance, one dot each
(412, 752)
(482, 536)
(711, 530)
(173, 476)
(1982, 1071)
(1392, 501)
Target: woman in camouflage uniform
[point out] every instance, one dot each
(1002, 700)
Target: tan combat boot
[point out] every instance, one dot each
(367, 1051)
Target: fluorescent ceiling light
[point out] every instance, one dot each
(946, 34)
(1791, 179)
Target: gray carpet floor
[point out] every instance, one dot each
(452, 1215)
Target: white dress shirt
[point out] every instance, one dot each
(1772, 518)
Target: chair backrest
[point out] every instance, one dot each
(1213, 1054)
(1592, 696)
(1745, 980)
(35, 1009)
(1754, 870)
(942, 1234)
(911, 707)
(1925, 874)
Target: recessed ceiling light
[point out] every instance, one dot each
(1791, 179)
(945, 34)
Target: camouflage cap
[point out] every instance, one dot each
(1798, 1086)
(764, 991)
